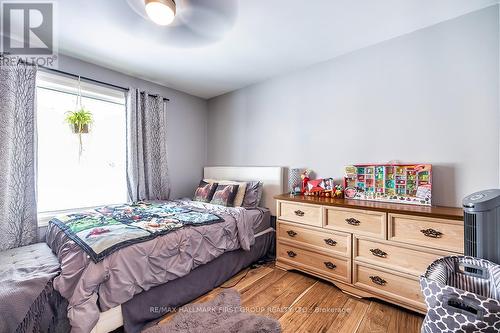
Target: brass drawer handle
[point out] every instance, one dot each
(291, 254)
(298, 212)
(353, 221)
(431, 233)
(291, 233)
(378, 280)
(378, 253)
(330, 242)
(330, 265)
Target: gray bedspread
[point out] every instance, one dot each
(93, 287)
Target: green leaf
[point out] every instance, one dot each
(79, 118)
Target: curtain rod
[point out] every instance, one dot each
(92, 80)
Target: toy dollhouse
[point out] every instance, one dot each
(401, 183)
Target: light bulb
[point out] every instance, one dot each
(161, 12)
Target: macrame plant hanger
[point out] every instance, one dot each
(79, 107)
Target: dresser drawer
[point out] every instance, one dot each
(359, 222)
(433, 233)
(335, 242)
(327, 265)
(399, 287)
(301, 213)
(410, 260)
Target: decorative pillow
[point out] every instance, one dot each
(238, 200)
(205, 191)
(224, 195)
(253, 194)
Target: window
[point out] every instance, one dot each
(66, 180)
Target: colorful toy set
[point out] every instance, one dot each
(323, 188)
(300, 183)
(400, 183)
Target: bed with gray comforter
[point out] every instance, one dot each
(94, 284)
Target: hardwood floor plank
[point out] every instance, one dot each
(271, 292)
(262, 284)
(326, 312)
(304, 307)
(377, 318)
(414, 322)
(397, 323)
(253, 276)
(276, 309)
(349, 321)
(404, 321)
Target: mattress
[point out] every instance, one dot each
(261, 219)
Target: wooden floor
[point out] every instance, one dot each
(316, 305)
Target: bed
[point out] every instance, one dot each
(140, 282)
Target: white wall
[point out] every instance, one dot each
(429, 96)
(186, 128)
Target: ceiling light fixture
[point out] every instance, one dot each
(161, 12)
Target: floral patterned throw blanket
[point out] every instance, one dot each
(105, 230)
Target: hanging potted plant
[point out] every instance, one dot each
(80, 119)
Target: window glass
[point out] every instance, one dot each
(67, 180)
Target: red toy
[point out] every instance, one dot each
(305, 179)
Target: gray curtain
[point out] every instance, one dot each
(147, 171)
(18, 219)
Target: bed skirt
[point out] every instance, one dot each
(155, 303)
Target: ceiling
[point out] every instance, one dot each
(232, 43)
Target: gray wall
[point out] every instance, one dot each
(187, 123)
(429, 96)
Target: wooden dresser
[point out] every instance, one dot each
(367, 249)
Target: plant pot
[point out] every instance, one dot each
(77, 129)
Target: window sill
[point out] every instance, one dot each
(45, 217)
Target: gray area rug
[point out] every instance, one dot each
(221, 315)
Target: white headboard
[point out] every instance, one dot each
(271, 177)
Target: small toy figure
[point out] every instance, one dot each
(305, 179)
(338, 191)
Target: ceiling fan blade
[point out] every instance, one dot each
(210, 18)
